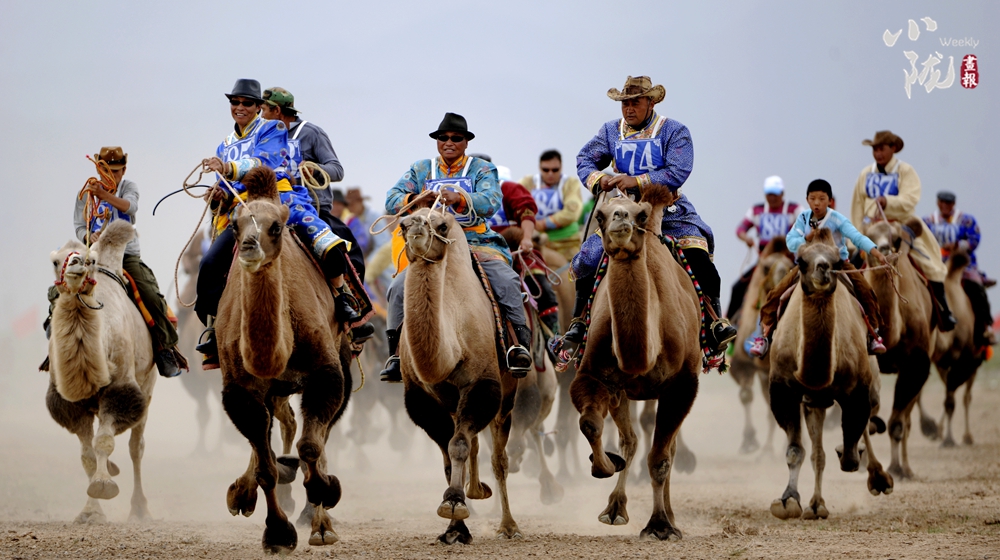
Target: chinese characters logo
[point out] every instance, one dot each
(927, 73)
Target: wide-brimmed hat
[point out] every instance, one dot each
(885, 138)
(247, 88)
(354, 195)
(113, 156)
(638, 87)
(453, 123)
(946, 196)
(281, 98)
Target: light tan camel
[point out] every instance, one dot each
(642, 344)
(955, 353)
(277, 336)
(773, 265)
(906, 330)
(452, 383)
(101, 364)
(820, 355)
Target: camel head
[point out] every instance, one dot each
(258, 226)
(428, 234)
(889, 237)
(624, 223)
(72, 268)
(818, 262)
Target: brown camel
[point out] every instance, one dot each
(452, 383)
(774, 263)
(642, 344)
(955, 353)
(820, 355)
(277, 336)
(101, 364)
(906, 329)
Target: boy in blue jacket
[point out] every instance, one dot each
(818, 196)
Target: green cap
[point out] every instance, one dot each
(280, 97)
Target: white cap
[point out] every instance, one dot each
(774, 185)
(503, 173)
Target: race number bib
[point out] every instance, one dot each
(772, 225)
(549, 201)
(238, 150)
(945, 234)
(294, 157)
(453, 183)
(499, 220)
(639, 156)
(882, 184)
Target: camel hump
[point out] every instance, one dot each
(916, 225)
(513, 236)
(823, 235)
(657, 195)
(117, 234)
(776, 245)
(958, 261)
(261, 184)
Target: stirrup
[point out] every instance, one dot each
(572, 329)
(518, 371)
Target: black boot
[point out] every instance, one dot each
(578, 328)
(518, 358)
(722, 331)
(946, 321)
(343, 310)
(209, 349)
(391, 373)
(166, 363)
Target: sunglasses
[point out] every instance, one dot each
(550, 170)
(245, 102)
(455, 139)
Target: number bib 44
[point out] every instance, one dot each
(638, 156)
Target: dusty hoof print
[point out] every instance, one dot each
(280, 539)
(113, 469)
(323, 538)
(789, 509)
(102, 489)
(91, 518)
(453, 510)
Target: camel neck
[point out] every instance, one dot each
(818, 320)
(428, 326)
(629, 288)
(266, 332)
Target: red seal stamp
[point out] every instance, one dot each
(970, 71)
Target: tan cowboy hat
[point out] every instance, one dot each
(885, 138)
(354, 195)
(113, 156)
(638, 87)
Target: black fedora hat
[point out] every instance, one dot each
(453, 123)
(247, 88)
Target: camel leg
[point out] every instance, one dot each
(815, 417)
(750, 443)
(616, 512)
(92, 511)
(242, 494)
(121, 407)
(947, 416)
(647, 422)
(765, 388)
(285, 416)
(501, 431)
(551, 491)
(136, 448)
(592, 399)
(527, 406)
(930, 428)
(565, 430)
(322, 397)
(476, 489)
(203, 415)
(967, 401)
(856, 410)
(786, 405)
(684, 458)
(914, 370)
(879, 481)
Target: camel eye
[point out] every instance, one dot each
(600, 219)
(442, 229)
(275, 229)
(641, 218)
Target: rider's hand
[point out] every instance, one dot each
(215, 164)
(605, 183)
(878, 255)
(97, 191)
(424, 199)
(450, 198)
(306, 172)
(218, 194)
(94, 237)
(881, 201)
(623, 182)
(748, 240)
(526, 245)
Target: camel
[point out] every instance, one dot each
(101, 364)
(773, 265)
(820, 355)
(277, 336)
(643, 343)
(907, 331)
(955, 353)
(452, 383)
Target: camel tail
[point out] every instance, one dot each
(260, 184)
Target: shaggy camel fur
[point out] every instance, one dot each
(452, 383)
(955, 353)
(906, 331)
(101, 364)
(820, 355)
(774, 263)
(642, 344)
(277, 336)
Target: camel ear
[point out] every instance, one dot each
(284, 214)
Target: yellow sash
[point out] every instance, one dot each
(222, 221)
(399, 246)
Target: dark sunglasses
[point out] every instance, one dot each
(550, 170)
(245, 102)
(455, 139)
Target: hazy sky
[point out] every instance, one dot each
(787, 88)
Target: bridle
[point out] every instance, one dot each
(87, 281)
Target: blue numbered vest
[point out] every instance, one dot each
(548, 199)
(636, 156)
(295, 154)
(946, 232)
(882, 184)
(772, 225)
(454, 183)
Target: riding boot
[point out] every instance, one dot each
(345, 313)
(209, 349)
(946, 321)
(518, 358)
(578, 327)
(391, 373)
(721, 330)
(166, 363)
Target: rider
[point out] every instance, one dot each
(468, 188)
(954, 229)
(820, 215)
(560, 203)
(257, 142)
(771, 219)
(890, 188)
(645, 148)
(123, 204)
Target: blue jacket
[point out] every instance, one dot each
(834, 221)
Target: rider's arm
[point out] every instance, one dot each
(848, 230)
(969, 232)
(406, 187)
(323, 151)
(797, 235)
(78, 220)
(591, 156)
(486, 198)
(678, 159)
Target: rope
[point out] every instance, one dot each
(393, 218)
(106, 182)
(309, 179)
(361, 368)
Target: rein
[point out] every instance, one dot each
(86, 281)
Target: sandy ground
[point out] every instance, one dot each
(388, 508)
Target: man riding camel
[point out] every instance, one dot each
(645, 148)
(257, 142)
(469, 190)
(890, 188)
(559, 200)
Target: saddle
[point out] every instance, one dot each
(500, 339)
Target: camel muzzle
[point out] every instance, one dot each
(251, 255)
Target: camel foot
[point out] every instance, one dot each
(139, 514)
(788, 508)
(324, 536)
(457, 532)
(450, 509)
(552, 492)
(102, 489)
(948, 442)
(967, 439)
(929, 428)
(91, 518)
(816, 510)
(849, 462)
(615, 513)
(280, 537)
(288, 467)
(750, 443)
(876, 425)
(685, 461)
(900, 473)
(242, 497)
(660, 530)
(617, 464)
(879, 482)
(324, 490)
(113, 469)
(480, 492)
(509, 531)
